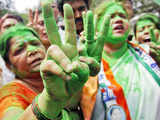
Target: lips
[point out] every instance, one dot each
(35, 62)
(147, 39)
(44, 33)
(118, 28)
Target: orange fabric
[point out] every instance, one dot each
(88, 97)
(90, 89)
(117, 89)
(15, 94)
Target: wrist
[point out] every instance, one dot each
(47, 106)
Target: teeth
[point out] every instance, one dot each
(147, 40)
(119, 27)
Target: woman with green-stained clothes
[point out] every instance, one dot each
(132, 68)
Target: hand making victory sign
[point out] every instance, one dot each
(63, 71)
(92, 41)
(33, 19)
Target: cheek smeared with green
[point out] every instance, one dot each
(20, 42)
(110, 38)
(31, 48)
(15, 31)
(143, 23)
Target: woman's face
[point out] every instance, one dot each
(119, 24)
(143, 29)
(25, 55)
(42, 33)
(7, 23)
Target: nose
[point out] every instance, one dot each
(146, 31)
(77, 14)
(31, 53)
(118, 21)
(31, 50)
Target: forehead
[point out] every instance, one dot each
(115, 9)
(76, 3)
(26, 37)
(143, 23)
(9, 21)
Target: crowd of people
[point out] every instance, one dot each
(73, 63)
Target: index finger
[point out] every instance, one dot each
(30, 16)
(50, 22)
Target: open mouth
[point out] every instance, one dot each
(44, 33)
(119, 28)
(147, 40)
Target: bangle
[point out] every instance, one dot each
(38, 113)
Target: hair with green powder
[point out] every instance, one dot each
(17, 30)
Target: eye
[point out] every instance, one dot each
(8, 26)
(150, 26)
(18, 50)
(141, 29)
(113, 15)
(122, 15)
(35, 43)
(81, 8)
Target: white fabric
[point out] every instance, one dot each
(141, 91)
(7, 75)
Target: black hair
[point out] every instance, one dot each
(60, 4)
(16, 17)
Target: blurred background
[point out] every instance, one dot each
(21, 6)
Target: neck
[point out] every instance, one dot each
(35, 84)
(115, 50)
(112, 52)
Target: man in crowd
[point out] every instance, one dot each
(79, 6)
